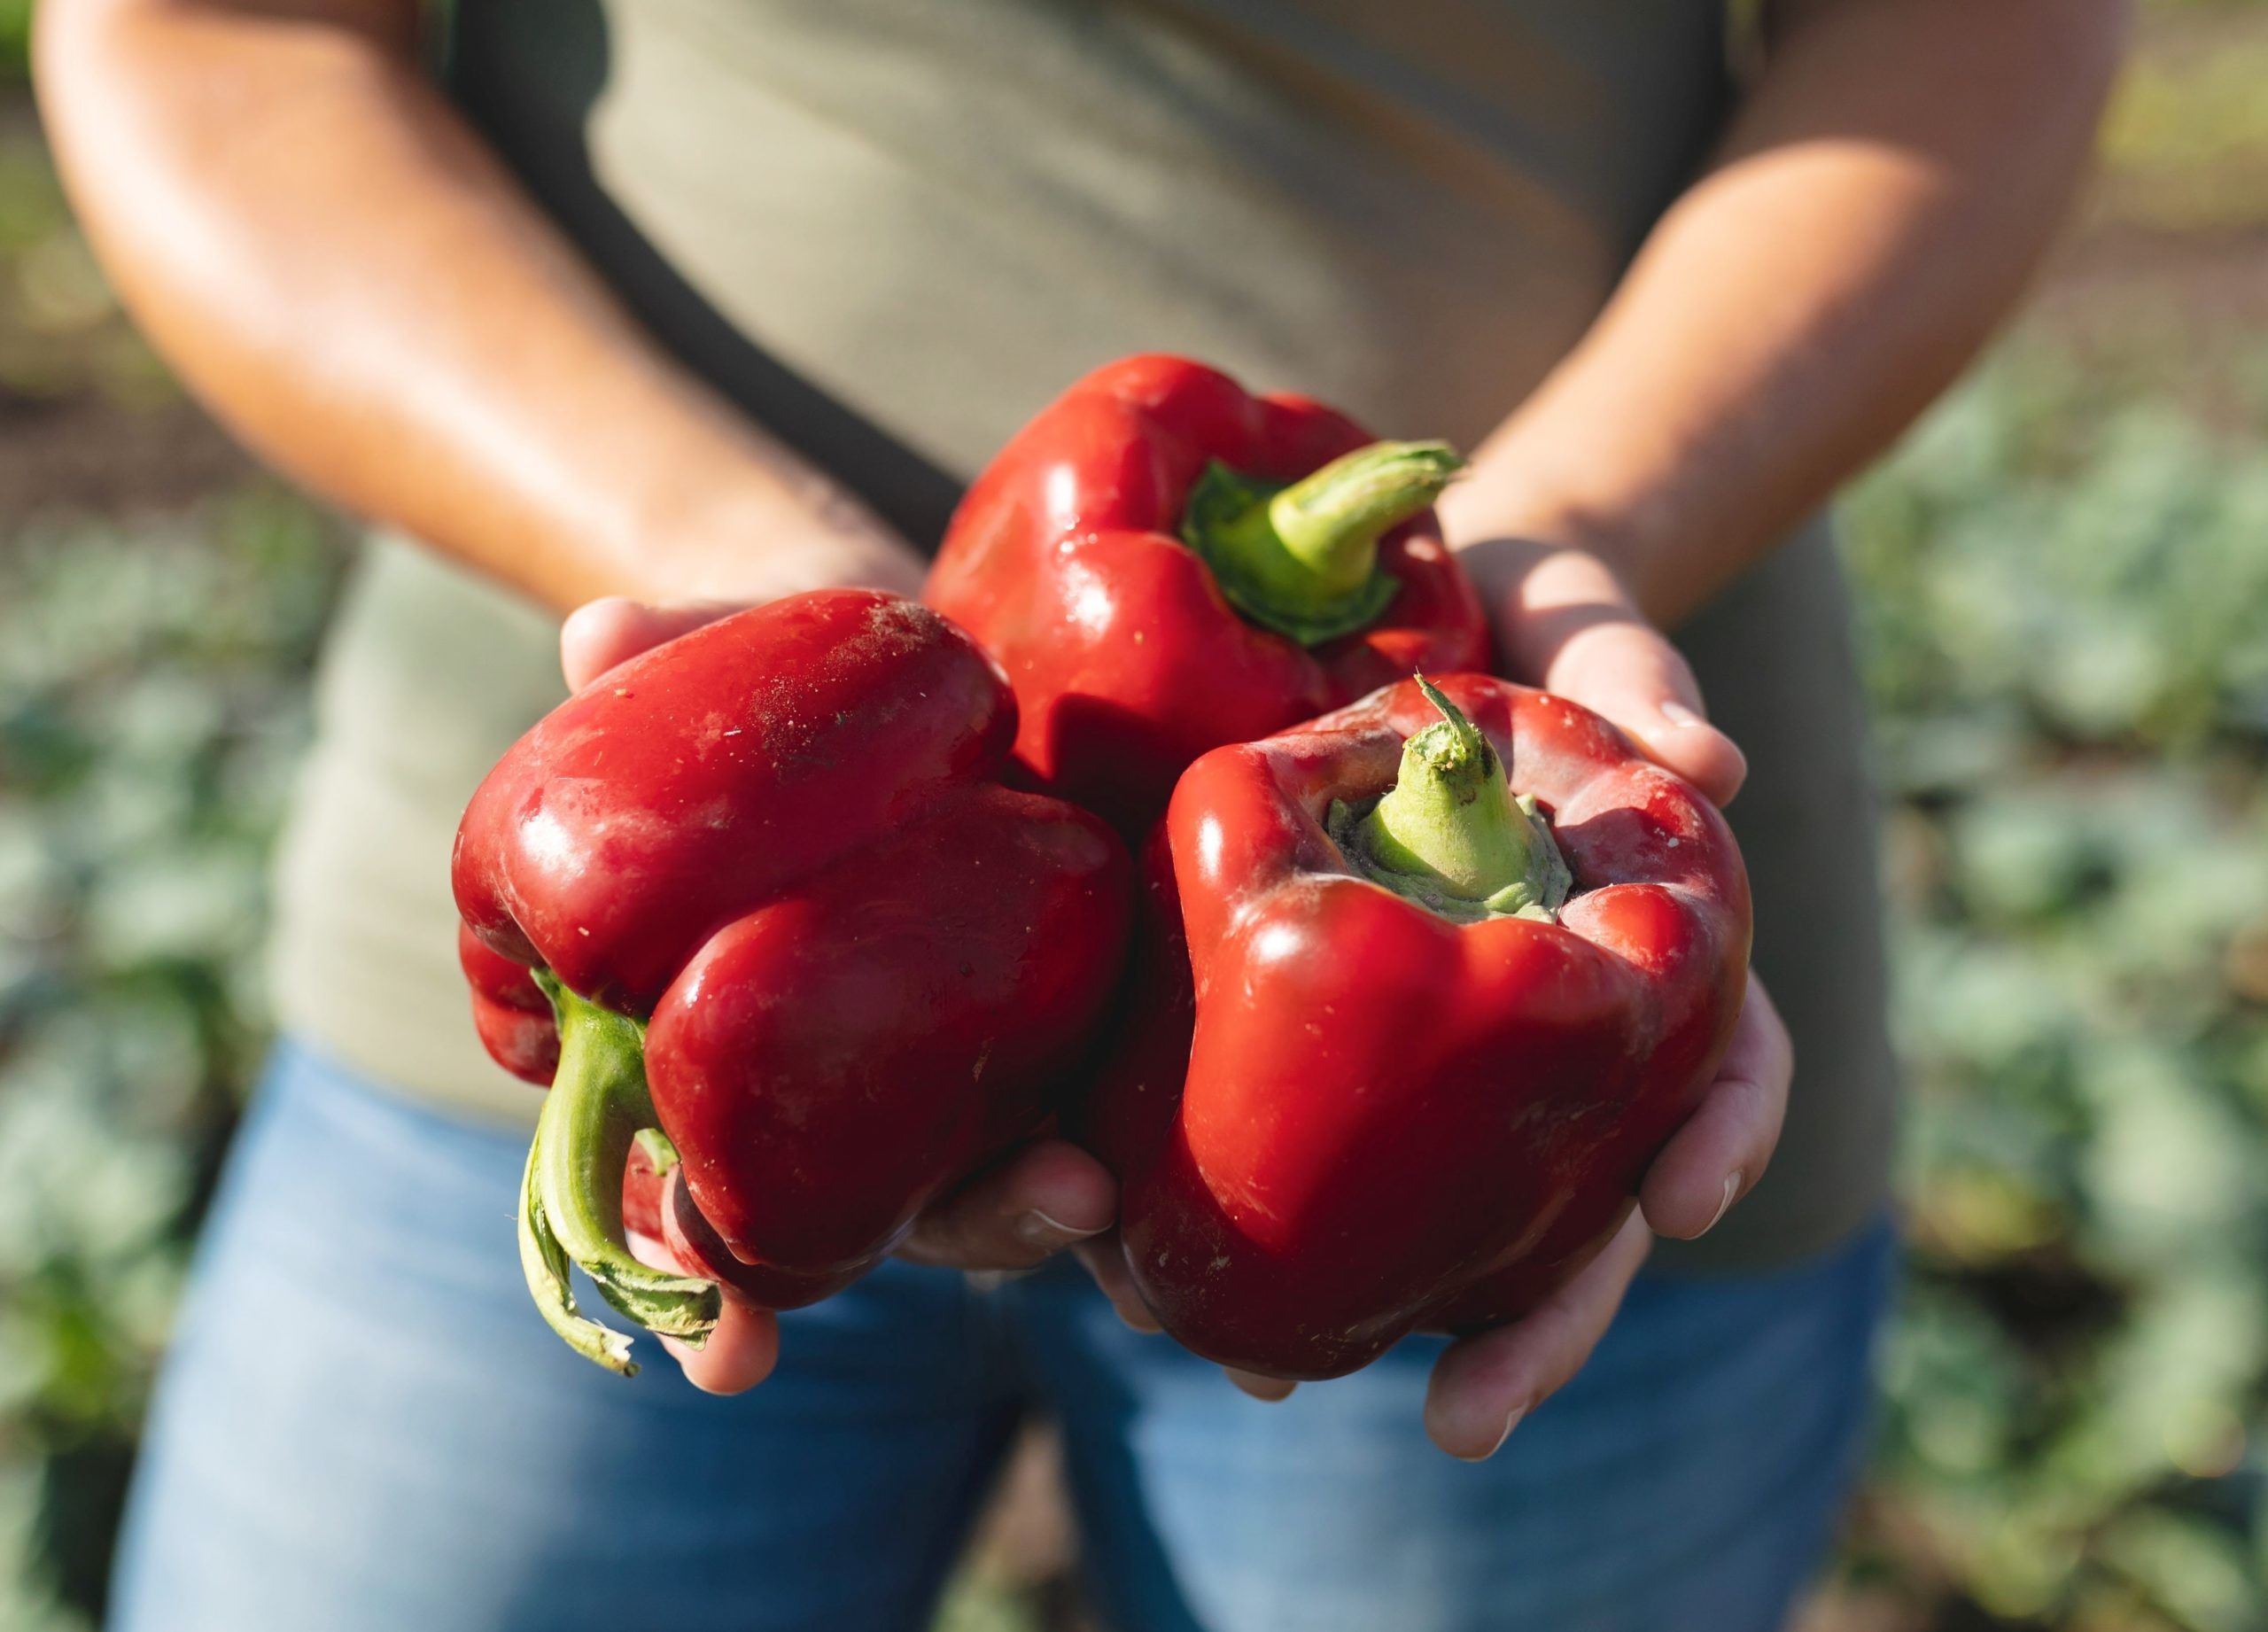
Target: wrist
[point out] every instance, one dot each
(764, 536)
(1502, 502)
(1568, 470)
(1532, 556)
(1542, 592)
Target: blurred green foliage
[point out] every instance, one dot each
(982, 1601)
(2188, 144)
(2064, 602)
(151, 709)
(15, 38)
(2065, 616)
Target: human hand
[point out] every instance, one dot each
(1484, 1383)
(1037, 1198)
(1564, 623)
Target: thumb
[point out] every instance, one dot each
(1630, 672)
(599, 635)
(1572, 628)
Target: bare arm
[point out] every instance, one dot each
(1881, 199)
(353, 281)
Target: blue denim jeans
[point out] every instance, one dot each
(363, 1426)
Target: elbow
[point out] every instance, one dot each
(76, 50)
(83, 57)
(126, 103)
(2048, 65)
(2077, 47)
(2111, 26)
(98, 72)
(2073, 48)
(2096, 35)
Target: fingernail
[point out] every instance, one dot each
(1037, 1229)
(1732, 1189)
(1511, 1420)
(1678, 714)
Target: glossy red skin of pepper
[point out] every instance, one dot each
(1385, 1120)
(866, 967)
(509, 1011)
(656, 1207)
(1064, 561)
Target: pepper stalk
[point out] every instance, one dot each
(570, 1198)
(1450, 834)
(1302, 558)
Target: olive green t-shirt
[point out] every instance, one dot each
(892, 229)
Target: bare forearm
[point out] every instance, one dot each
(339, 267)
(1880, 200)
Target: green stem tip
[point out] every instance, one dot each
(1450, 833)
(570, 1201)
(1303, 559)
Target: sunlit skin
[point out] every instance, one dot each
(271, 184)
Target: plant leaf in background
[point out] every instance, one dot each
(151, 706)
(2064, 603)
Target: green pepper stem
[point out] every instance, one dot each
(660, 1154)
(571, 1206)
(1303, 559)
(543, 1262)
(1451, 833)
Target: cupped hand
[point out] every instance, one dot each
(1033, 1201)
(1484, 1383)
(1564, 623)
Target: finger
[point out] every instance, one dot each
(1041, 1200)
(1572, 628)
(1270, 1390)
(1631, 674)
(1717, 1156)
(740, 1353)
(601, 633)
(742, 1348)
(1482, 1386)
(1105, 1260)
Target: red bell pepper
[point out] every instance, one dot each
(1431, 1059)
(769, 883)
(1164, 564)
